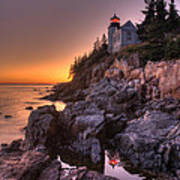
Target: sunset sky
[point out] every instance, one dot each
(40, 38)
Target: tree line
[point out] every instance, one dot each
(160, 30)
(99, 50)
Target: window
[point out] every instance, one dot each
(128, 35)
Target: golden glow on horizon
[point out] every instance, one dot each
(53, 71)
(48, 73)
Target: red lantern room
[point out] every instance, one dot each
(115, 22)
(115, 19)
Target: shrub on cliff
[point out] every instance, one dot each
(153, 52)
(172, 49)
(146, 51)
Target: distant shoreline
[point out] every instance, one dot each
(19, 84)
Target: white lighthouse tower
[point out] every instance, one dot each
(114, 34)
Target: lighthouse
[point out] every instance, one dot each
(121, 36)
(113, 32)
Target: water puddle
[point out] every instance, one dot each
(114, 167)
(119, 169)
(59, 105)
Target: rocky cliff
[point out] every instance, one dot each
(119, 106)
(156, 79)
(161, 79)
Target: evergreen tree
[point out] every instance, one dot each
(154, 28)
(173, 17)
(157, 29)
(161, 11)
(104, 42)
(96, 45)
(149, 13)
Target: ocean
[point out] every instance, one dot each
(14, 99)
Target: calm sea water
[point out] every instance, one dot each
(13, 102)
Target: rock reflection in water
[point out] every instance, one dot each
(118, 169)
(71, 159)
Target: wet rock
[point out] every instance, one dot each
(97, 176)
(89, 148)
(178, 114)
(114, 124)
(80, 122)
(4, 146)
(170, 107)
(23, 165)
(35, 89)
(89, 120)
(34, 163)
(52, 172)
(86, 124)
(29, 108)
(83, 118)
(37, 165)
(14, 146)
(41, 125)
(144, 136)
(8, 116)
(123, 100)
(96, 151)
(31, 103)
(41, 148)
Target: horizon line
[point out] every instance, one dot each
(24, 83)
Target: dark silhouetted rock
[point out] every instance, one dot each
(8, 116)
(41, 125)
(29, 108)
(23, 165)
(52, 172)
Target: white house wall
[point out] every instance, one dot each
(116, 41)
(134, 37)
(118, 37)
